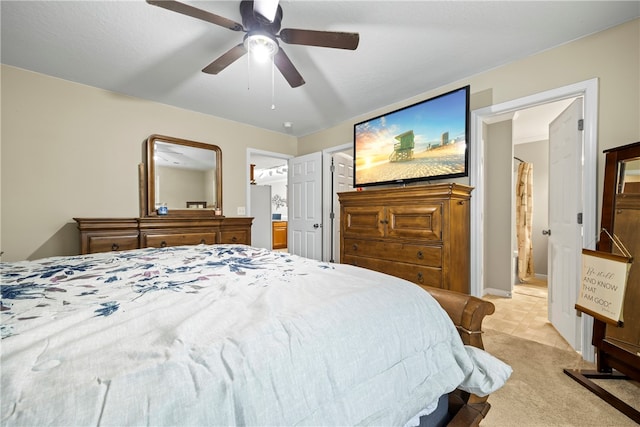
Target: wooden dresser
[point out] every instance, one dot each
(417, 233)
(115, 234)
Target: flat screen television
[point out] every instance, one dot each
(422, 142)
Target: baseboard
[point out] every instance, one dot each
(496, 292)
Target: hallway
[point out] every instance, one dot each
(525, 315)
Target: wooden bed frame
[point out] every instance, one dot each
(467, 313)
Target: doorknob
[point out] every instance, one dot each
(316, 225)
(546, 232)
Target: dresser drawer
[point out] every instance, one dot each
(240, 237)
(363, 221)
(430, 256)
(178, 239)
(421, 275)
(415, 222)
(105, 242)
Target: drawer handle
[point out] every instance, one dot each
(420, 278)
(461, 202)
(384, 221)
(202, 242)
(234, 239)
(115, 247)
(163, 244)
(420, 255)
(355, 247)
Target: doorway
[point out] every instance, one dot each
(335, 165)
(269, 164)
(267, 198)
(525, 313)
(588, 90)
(530, 144)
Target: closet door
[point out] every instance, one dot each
(305, 206)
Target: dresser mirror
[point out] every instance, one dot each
(183, 176)
(628, 176)
(625, 224)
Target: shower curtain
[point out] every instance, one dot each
(524, 208)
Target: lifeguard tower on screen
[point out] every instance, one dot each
(403, 150)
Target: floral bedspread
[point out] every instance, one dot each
(102, 284)
(219, 335)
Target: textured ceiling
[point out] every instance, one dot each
(406, 48)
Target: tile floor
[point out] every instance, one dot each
(525, 315)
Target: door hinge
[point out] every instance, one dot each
(580, 218)
(581, 124)
(332, 168)
(332, 215)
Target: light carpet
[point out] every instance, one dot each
(539, 393)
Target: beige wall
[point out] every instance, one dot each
(70, 150)
(497, 218)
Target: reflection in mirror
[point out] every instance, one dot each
(185, 176)
(183, 173)
(629, 176)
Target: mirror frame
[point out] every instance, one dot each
(150, 166)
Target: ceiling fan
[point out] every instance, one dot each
(261, 22)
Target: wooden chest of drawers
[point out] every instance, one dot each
(113, 234)
(417, 233)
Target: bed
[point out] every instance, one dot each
(234, 335)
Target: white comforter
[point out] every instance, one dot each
(221, 335)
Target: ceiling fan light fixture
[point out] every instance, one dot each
(261, 46)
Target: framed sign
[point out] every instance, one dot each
(603, 285)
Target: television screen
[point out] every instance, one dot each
(424, 141)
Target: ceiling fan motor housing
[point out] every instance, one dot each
(253, 21)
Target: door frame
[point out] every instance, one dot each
(588, 90)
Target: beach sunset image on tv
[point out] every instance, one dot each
(427, 140)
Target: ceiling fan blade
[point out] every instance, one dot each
(334, 39)
(287, 69)
(194, 12)
(228, 58)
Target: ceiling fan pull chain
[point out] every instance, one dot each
(273, 90)
(248, 69)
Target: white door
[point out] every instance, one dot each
(342, 181)
(305, 206)
(565, 205)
